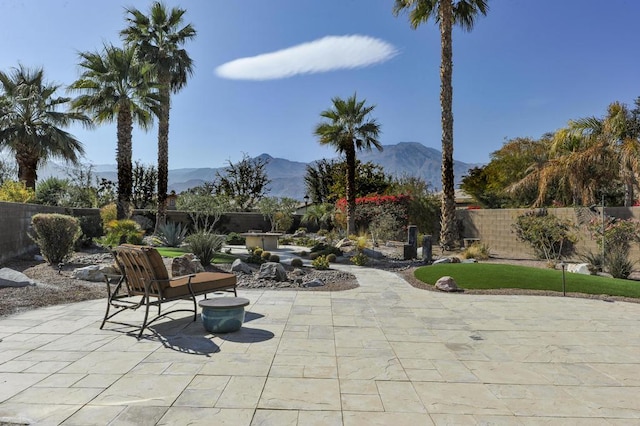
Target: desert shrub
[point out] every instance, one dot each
(549, 236)
(265, 254)
(235, 239)
(171, 234)
(274, 258)
(257, 251)
(314, 255)
(146, 224)
(304, 253)
(52, 191)
(16, 192)
(108, 213)
(296, 262)
(595, 261)
(121, 232)
(204, 245)
(324, 249)
(322, 232)
(320, 263)
(285, 240)
(618, 263)
(479, 251)
(56, 235)
(360, 259)
(331, 258)
(91, 227)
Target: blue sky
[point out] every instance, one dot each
(527, 68)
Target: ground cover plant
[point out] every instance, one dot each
(483, 276)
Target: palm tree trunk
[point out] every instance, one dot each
(350, 155)
(124, 154)
(27, 169)
(163, 151)
(448, 230)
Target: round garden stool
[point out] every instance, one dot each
(223, 314)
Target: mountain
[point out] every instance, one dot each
(287, 177)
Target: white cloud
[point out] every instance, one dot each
(326, 54)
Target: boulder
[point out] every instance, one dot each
(447, 283)
(272, 271)
(469, 261)
(314, 283)
(579, 268)
(185, 265)
(443, 260)
(300, 233)
(11, 278)
(94, 273)
(240, 266)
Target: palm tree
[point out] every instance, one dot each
(159, 38)
(115, 86)
(31, 124)
(349, 130)
(619, 129)
(577, 165)
(446, 13)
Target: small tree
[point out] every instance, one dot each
(145, 179)
(549, 236)
(204, 210)
(279, 212)
(244, 182)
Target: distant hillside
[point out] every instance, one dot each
(287, 177)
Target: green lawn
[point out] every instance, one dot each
(485, 276)
(176, 252)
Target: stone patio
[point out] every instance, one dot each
(383, 354)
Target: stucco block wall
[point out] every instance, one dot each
(15, 224)
(494, 228)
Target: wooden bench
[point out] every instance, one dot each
(144, 275)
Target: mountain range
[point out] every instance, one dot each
(287, 177)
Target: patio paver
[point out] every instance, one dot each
(382, 354)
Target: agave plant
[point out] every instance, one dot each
(171, 234)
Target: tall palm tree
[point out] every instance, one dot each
(159, 38)
(348, 129)
(446, 13)
(116, 86)
(31, 123)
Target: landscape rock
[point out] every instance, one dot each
(469, 261)
(272, 271)
(299, 234)
(443, 260)
(447, 284)
(240, 266)
(297, 273)
(314, 283)
(11, 278)
(186, 264)
(579, 268)
(373, 254)
(94, 273)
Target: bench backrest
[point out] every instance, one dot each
(142, 265)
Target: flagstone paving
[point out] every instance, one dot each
(382, 354)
